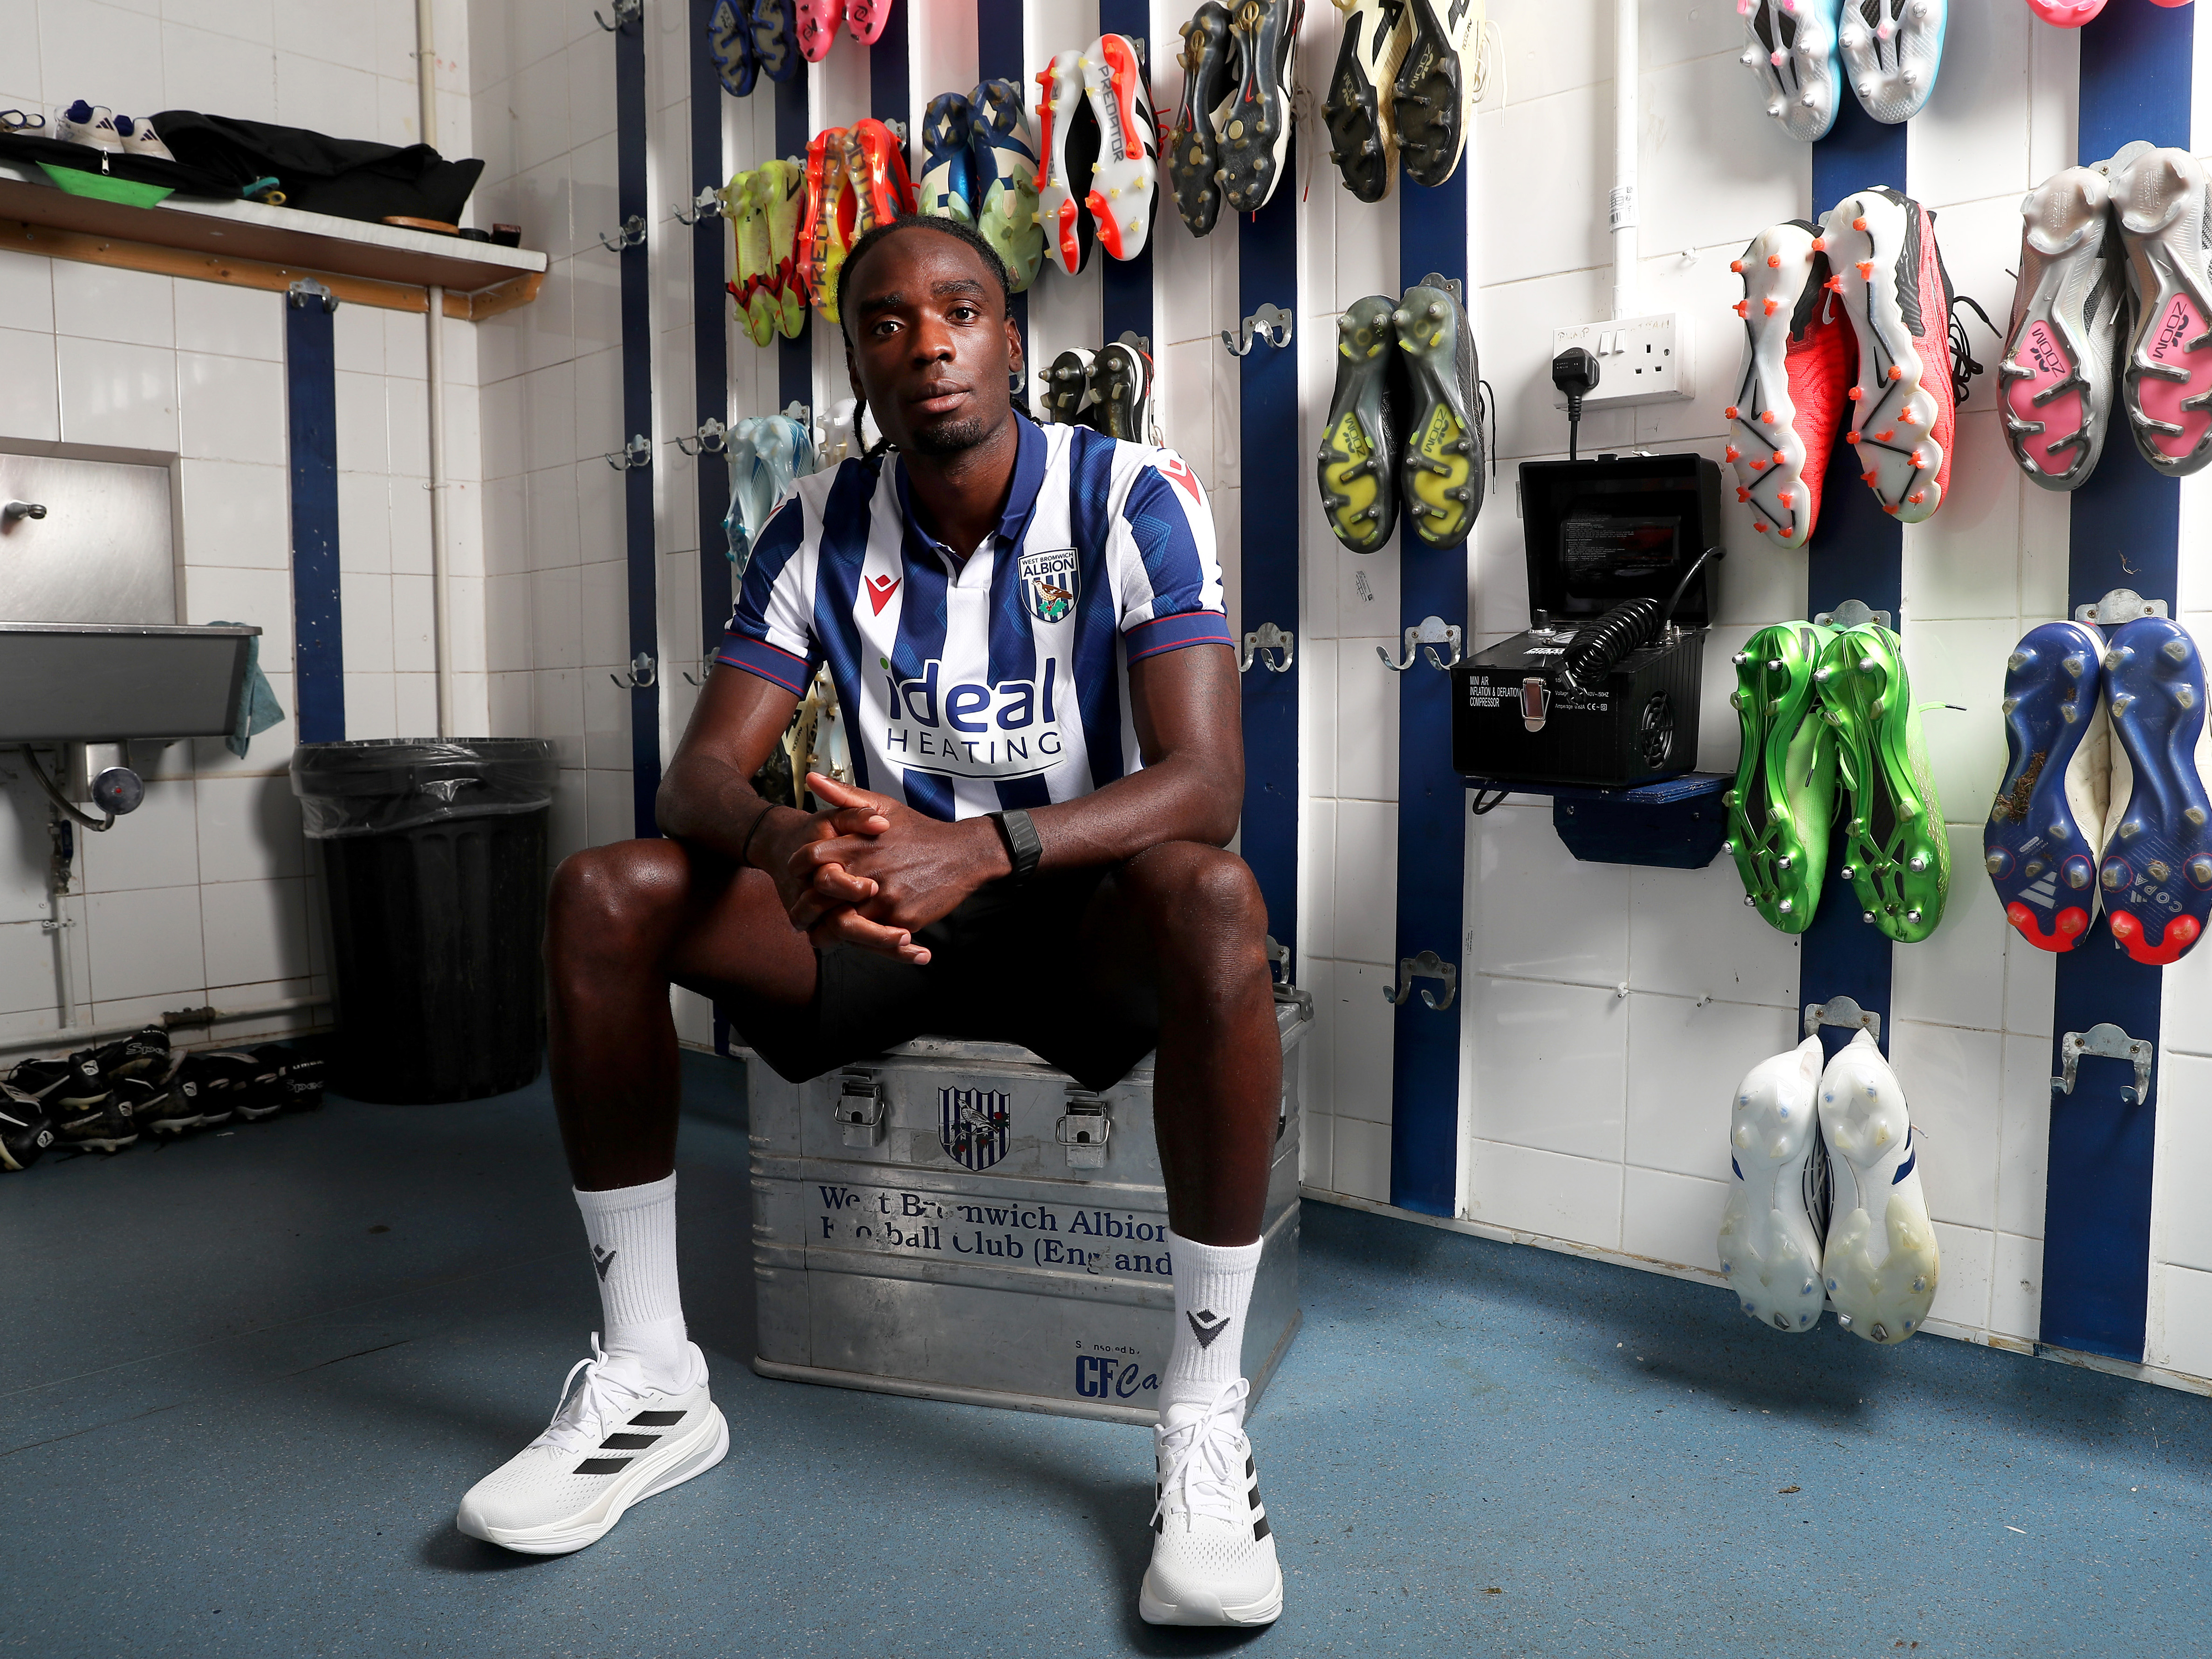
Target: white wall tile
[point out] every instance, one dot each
(237, 514)
(155, 845)
(263, 597)
(1691, 934)
(1361, 1164)
(255, 931)
(1965, 1257)
(145, 942)
(1367, 882)
(1684, 1066)
(2016, 1287)
(2181, 1225)
(249, 830)
(121, 395)
(1537, 912)
(1577, 1199)
(2182, 1338)
(30, 396)
(104, 302)
(1952, 1080)
(1672, 1218)
(1549, 1065)
(233, 409)
(2024, 1144)
(232, 322)
(1365, 1028)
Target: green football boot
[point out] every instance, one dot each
(1896, 854)
(1785, 779)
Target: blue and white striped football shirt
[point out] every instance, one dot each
(1001, 683)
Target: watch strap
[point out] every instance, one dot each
(1023, 846)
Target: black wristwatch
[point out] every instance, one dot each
(1023, 845)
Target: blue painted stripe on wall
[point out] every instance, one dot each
(2136, 66)
(1432, 822)
(888, 77)
(1858, 553)
(311, 406)
(1267, 274)
(710, 334)
(637, 417)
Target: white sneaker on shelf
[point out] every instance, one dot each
(1880, 1260)
(1769, 1247)
(1214, 1556)
(90, 125)
(613, 1442)
(139, 138)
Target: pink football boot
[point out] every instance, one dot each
(2058, 368)
(817, 27)
(865, 19)
(2160, 199)
(2072, 13)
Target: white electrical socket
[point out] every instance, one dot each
(1643, 360)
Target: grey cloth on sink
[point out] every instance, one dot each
(257, 708)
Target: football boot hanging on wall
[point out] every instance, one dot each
(1360, 111)
(2058, 369)
(1124, 192)
(1770, 1239)
(2046, 828)
(1880, 1258)
(1256, 136)
(1784, 803)
(1889, 51)
(1799, 354)
(1003, 169)
(1213, 80)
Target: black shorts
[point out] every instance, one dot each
(1007, 966)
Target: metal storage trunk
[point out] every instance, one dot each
(959, 1221)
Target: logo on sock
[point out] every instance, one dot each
(1206, 1324)
(605, 1259)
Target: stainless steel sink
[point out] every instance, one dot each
(103, 683)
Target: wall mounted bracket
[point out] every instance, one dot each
(2105, 1042)
(1842, 1011)
(1270, 323)
(712, 438)
(637, 453)
(1427, 965)
(641, 674)
(1273, 647)
(1432, 632)
(626, 13)
(632, 234)
(1851, 614)
(707, 205)
(308, 288)
(2121, 605)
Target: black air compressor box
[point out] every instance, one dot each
(1598, 533)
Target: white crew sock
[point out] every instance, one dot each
(1213, 1287)
(633, 1234)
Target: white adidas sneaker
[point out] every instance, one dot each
(1880, 1262)
(1770, 1250)
(613, 1442)
(1214, 1555)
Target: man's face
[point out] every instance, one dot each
(930, 346)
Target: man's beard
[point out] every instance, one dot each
(950, 437)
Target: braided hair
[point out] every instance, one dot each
(882, 232)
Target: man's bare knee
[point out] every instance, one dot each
(1192, 891)
(615, 899)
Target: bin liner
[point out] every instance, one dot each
(375, 786)
(435, 862)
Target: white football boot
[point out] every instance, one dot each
(1880, 1256)
(1792, 50)
(1770, 1250)
(613, 1442)
(1891, 50)
(1213, 1554)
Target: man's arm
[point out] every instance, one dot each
(1190, 727)
(708, 800)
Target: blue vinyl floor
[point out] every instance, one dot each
(245, 1378)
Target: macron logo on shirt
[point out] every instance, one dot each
(880, 589)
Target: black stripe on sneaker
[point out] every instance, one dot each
(603, 1466)
(1261, 1529)
(656, 1420)
(627, 1441)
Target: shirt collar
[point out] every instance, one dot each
(1021, 498)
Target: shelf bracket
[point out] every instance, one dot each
(2105, 1042)
(307, 290)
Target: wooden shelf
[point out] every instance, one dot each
(247, 244)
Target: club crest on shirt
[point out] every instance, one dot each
(1049, 582)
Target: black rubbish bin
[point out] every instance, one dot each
(434, 855)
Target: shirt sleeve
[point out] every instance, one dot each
(771, 632)
(1170, 578)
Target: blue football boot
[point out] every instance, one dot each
(948, 167)
(2047, 824)
(1004, 160)
(729, 43)
(2157, 874)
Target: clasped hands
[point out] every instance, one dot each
(872, 873)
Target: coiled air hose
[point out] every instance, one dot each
(1597, 646)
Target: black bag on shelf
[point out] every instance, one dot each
(346, 177)
(25, 148)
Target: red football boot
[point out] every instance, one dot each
(1891, 278)
(1798, 355)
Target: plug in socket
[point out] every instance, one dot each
(1645, 360)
